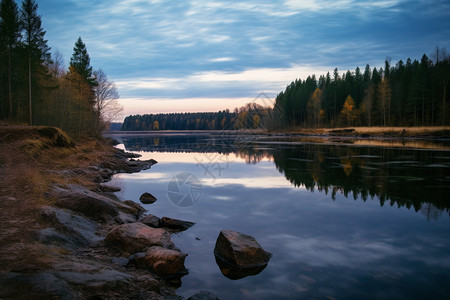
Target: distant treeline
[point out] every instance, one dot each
(36, 88)
(250, 116)
(411, 93)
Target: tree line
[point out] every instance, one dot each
(251, 116)
(37, 89)
(411, 93)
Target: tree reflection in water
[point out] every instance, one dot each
(412, 178)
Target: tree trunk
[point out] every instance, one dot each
(9, 84)
(29, 91)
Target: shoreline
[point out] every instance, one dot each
(56, 216)
(427, 132)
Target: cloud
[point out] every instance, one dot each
(341, 5)
(221, 59)
(217, 84)
(227, 49)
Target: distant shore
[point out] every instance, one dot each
(363, 132)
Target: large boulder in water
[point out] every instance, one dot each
(239, 255)
(135, 237)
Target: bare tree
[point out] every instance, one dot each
(106, 96)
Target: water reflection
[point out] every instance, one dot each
(418, 179)
(322, 248)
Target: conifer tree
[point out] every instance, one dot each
(35, 44)
(9, 38)
(81, 62)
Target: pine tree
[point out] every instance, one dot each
(9, 38)
(81, 62)
(36, 45)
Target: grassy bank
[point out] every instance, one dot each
(31, 163)
(403, 132)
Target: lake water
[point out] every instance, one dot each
(343, 219)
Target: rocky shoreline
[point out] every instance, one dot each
(94, 245)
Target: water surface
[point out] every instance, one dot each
(343, 221)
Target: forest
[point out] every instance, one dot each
(37, 89)
(251, 116)
(411, 93)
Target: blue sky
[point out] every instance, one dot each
(172, 56)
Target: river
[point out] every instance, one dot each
(343, 219)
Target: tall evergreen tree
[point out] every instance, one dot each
(81, 62)
(36, 45)
(9, 38)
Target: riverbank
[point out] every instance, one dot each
(429, 132)
(55, 213)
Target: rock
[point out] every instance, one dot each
(105, 279)
(92, 204)
(89, 203)
(240, 251)
(135, 237)
(232, 272)
(147, 198)
(109, 188)
(121, 261)
(176, 224)
(43, 285)
(82, 232)
(151, 284)
(165, 262)
(138, 208)
(136, 165)
(137, 259)
(123, 218)
(152, 221)
(203, 295)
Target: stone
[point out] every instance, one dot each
(84, 201)
(203, 295)
(176, 224)
(137, 259)
(139, 210)
(136, 237)
(147, 198)
(121, 261)
(165, 262)
(42, 285)
(151, 284)
(109, 188)
(152, 221)
(123, 218)
(105, 279)
(240, 251)
(82, 232)
(233, 272)
(91, 204)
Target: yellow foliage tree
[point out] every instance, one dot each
(156, 125)
(314, 108)
(349, 110)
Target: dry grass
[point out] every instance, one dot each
(31, 163)
(377, 131)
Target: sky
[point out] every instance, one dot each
(203, 56)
